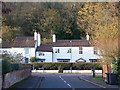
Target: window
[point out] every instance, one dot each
(63, 60)
(41, 54)
(69, 51)
(41, 60)
(26, 50)
(93, 60)
(4, 51)
(57, 50)
(80, 50)
(95, 50)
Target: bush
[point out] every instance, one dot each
(6, 66)
(14, 67)
(33, 59)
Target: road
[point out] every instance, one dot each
(70, 81)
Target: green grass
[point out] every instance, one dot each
(20, 82)
(97, 78)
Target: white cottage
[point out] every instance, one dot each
(22, 45)
(67, 51)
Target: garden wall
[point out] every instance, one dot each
(68, 71)
(15, 76)
(82, 71)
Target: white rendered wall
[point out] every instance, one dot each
(5, 49)
(47, 56)
(88, 53)
(22, 51)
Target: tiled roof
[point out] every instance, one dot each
(24, 42)
(69, 43)
(63, 43)
(6, 44)
(45, 48)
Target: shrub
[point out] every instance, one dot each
(33, 59)
(14, 67)
(6, 66)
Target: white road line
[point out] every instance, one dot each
(69, 85)
(66, 82)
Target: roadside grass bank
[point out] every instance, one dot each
(97, 78)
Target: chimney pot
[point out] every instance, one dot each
(35, 35)
(87, 36)
(54, 38)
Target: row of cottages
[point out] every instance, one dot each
(57, 51)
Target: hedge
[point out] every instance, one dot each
(67, 66)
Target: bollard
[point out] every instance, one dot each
(93, 70)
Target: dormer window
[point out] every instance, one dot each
(57, 50)
(80, 50)
(69, 51)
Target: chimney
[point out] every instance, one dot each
(54, 38)
(87, 37)
(39, 39)
(35, 35)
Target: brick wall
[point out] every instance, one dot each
(15, 76)
(0, 82)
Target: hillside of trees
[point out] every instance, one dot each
(66, 20)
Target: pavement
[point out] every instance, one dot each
(98, 83)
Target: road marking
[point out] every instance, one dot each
(66, 83)
(69, 85)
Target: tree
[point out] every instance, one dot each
(47, 18)
(101, 21)
(9, 34)
(15, 57)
